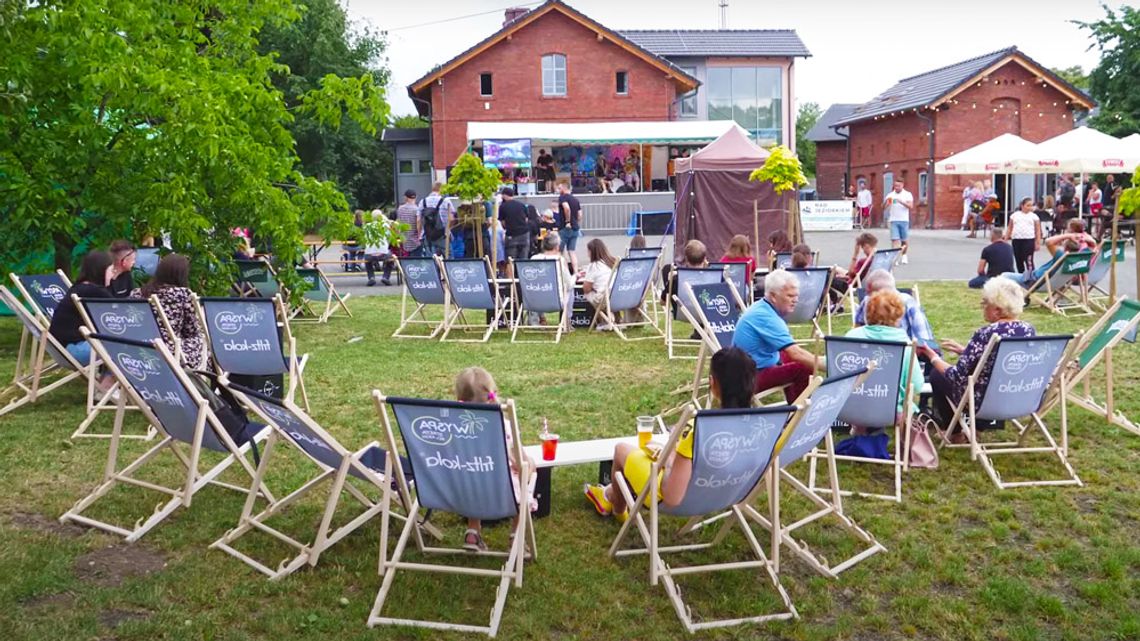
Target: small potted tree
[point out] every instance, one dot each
(783, 169)
(474, 185)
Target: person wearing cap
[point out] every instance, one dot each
(409, 214)
(512, 215)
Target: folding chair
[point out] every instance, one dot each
(815, 283)
(683, 276)
(783, 260)
(542, 290)
(250, 341)
(182, 412)
(881, 259)
(656, 284)
(39, 355)
(292, 426)
(1020, 373)
(738, 274)
(257, 278)
(43, 292)
(1102, 263)
(732, 450)
(321, 292)
(1054, 290)
(628, 289)
(471, 286)
(424, 284)
(716, 309)
(459, 456)
(874, 404)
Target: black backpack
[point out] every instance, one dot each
(434, 225)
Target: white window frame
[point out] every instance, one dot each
(552, 65)
(923, 186)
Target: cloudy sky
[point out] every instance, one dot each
(858, 48)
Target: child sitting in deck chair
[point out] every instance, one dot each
(475, 385)
(731, 377)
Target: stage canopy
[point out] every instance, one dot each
(671, 132)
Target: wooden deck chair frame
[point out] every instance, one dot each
(965, 417)
(194, 479)
(522, 312)
(1098, 297)
(605, 314)
(522, 547)
(650, 537)
(822, 310)
(675, 346)
(281, 416)
(1060, 298)
(656, 286)
(326, 306)
(455, 319)
(407, 320)
(34, 362)
(697, 388)
(746, 290)
(41, 314)
(870, 266)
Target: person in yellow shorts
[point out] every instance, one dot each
(731, 377)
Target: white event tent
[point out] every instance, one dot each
(1081, 150)
(990, 157)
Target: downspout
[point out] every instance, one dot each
(930, 176)
(431, 140)
(847, 162)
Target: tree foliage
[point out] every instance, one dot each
(144, 117)
(782, 169)
(1074, 75)
(1113, 81)
(809, 113)
(470, 181)
(410, 121)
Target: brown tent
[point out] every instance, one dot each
(714, 198)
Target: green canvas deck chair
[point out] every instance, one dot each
(682, 276)
(716, 309)
(1062, 288)
(42, 292)
(471, 287)
(337, 469)
(256, 277)
(873, 404)
(629, 288)
(1098, 296)
(42, 364)
(812, 305)
(544, 288)
(321, 300)
(656, 285)
(459, 456)
(423, 283)
(1021, 371)
(732, 451)
(181, 407)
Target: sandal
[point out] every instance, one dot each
(473, 541)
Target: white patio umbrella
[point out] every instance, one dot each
(994, 156)
(1081, 150)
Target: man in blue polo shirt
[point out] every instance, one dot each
(762, 332)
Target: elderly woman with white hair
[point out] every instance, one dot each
(1002, 304)
(763, 334)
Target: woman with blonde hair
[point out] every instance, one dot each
(596, 277)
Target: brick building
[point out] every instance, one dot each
(900, 133)
(830, 151)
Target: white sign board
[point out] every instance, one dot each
(826, 215)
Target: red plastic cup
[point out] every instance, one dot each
(549, 446)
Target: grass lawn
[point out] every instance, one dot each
(963, 562)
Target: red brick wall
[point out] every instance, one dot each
(830, 163)
(516, 65)
(898, 145)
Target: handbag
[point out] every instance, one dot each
(923, 454)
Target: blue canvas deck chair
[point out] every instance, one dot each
(655, 284)
(716, 309)
(628, 291)
(881, 259)
(1098, 295)
(1062, 289)
(1021, 373)
(741, 279)
(544, 288)
(459, 457)
(812, 305)
(291, 426)
(42, 292)
(250, 340)
(321, 300)
(783, 260)
(873, 404)
(42, 364)
(471, 287)
(182, 409)
(424, 285)
(732, 451)
(682, 276)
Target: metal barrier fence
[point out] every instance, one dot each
(607, 216)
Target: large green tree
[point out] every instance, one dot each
(1113, 81)
(151, 116)
(808, 115)
(1074, 75)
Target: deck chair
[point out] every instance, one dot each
(471, 287)
(683, 276)
(874, 404)
(256, 277)
(656, 284)
(1062, 289)
(732, 451)
(321, 300)
(42, 292)
(1021, 373)
(738, 274)
(881, 259)
(424, 284)
(716, 308)
(1098, 296)
(250, 340)
(783, 260)
(543, 289)
(293, 427)
(459, 456)
(855, 296)
(181, 409)
(628, 290)
(146, 261)
(815, 282)
(39, 356)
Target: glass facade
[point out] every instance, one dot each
(689, 100)
(752, 96)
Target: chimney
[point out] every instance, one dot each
(514, 13)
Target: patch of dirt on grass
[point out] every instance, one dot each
(114, 617)
(62, 600)
(41, 523)
(1086, 504)
(109, 567)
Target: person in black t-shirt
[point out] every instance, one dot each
(122, 280)
(512, 214)
(997, 259)
(569, 222)
(94, 274)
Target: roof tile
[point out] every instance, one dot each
(720, 42)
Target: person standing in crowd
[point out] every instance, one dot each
(1024, 232)
(1065, 197)
(95, 273)
(569, 221)
(408, 213)
(997, 258)
(512, 215)
(122, 280)
(898, 205)
(864, 200)
(763, 334)
(171, 285)
(1109, 198)
(437, 214)
(546, 169)
(1096, 202)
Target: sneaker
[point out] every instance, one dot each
(904, 260)
(597, 496)
(371, 283)
(604, 327)
(387, 283)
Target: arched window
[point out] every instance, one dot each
(554, 74)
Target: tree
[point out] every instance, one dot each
(1113, 81)
(144, 117)
(409, 121)
(1074, 75)
(806, 118)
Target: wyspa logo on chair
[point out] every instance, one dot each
(530, 272)
(722, 448)
(53, 291)
(717, 303)
(231, 322)
(138, 368)
(119, 322)
(847, 362)
(1017, 362)
(436, 430)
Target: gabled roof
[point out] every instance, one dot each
(822, 131)
(685, 82)
(723, 42)
(935, 87)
